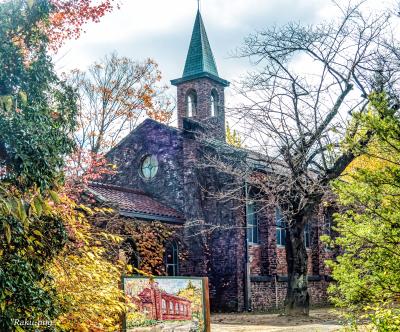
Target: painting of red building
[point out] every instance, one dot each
(160, 305)
(173, 302)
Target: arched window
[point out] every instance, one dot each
(164, 306)
(214, 103)
(130, 252)
(172, 259)
(191, 101)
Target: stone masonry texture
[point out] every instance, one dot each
(184, 183)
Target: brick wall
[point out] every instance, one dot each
(218, 254)
(268, 295)
(203, 88)
(268, 263)
(181, 183)
(281, 266)
(255, 259)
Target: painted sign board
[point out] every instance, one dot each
(167, 304)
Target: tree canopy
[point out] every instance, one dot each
(37, 121)
(115, 94)
(368, 270)
(37, 109)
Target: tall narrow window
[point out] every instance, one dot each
(191, 100)
(328, 223)
(307, 235)
(280, 227)
(172, 259)
(214, 103)
(164, 306)
(252, 223)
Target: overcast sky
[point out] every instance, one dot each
(161, 29)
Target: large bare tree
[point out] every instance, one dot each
(307, 83)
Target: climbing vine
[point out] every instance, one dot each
(150, 238)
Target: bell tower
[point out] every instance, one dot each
(200, 94)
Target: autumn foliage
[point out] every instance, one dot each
(86, 279)
(115, 94)
(54, 265)
(68, 17)
(150, 238)
(83, 167)
(48, 24)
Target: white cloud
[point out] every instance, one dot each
(161, 29)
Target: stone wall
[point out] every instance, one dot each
(185, 183)
(164, 142)
(223, 226)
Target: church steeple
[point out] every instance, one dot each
(200, 89)
(200, 57)
(200, 61)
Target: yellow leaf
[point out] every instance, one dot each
(38, 233)
(54, 196)
(7, 230)
(37, 202)
(22, 95)
(30, 3)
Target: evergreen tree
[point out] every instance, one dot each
(368, 270)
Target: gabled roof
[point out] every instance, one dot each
(200, 61)
(135, 203)
(145, 125)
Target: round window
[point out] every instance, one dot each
(149, 167)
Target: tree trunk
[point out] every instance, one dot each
(297, 300)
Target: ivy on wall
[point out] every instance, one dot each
(150, 238)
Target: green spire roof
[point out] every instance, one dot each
(200, 60)
(200, 57)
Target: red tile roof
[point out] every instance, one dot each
(133, 201)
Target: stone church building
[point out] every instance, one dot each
(163, 174)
